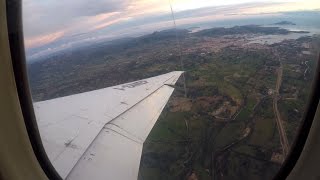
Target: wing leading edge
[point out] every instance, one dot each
(100, 134)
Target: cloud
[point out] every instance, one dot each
(45, 39)
(53, 23)
(107, 23)
(43, 17)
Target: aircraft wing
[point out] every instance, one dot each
(100, 134)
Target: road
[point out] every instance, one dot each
(305, 71)
(282, 133)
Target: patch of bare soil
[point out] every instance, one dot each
(180, 104)
(193, 176)
(277, 157)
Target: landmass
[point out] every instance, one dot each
(284, 23)
(227, 125)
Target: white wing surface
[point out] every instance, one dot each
(100, 134)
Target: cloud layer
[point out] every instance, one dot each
(73, 21)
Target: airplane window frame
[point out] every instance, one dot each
(15, 30)
(17, 51)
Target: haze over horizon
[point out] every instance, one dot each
(51, 26)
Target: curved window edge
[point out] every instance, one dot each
(15, 33)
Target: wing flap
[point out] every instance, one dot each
(116, 151)
(68, 125)
(139, 120)
(106, 148)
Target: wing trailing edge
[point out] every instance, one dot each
(84, 132)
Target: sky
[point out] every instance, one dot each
(73, 21)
